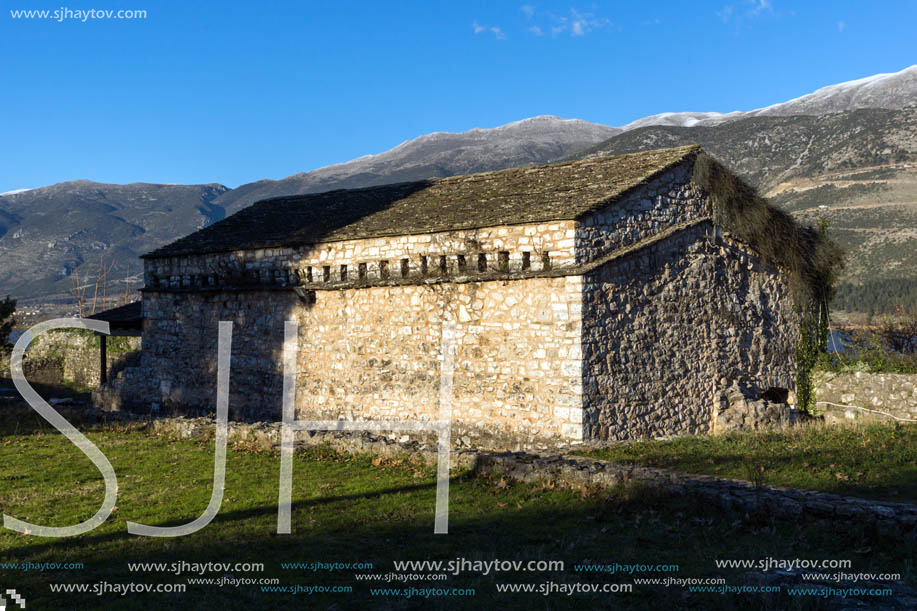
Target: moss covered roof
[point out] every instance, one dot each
(558, 191)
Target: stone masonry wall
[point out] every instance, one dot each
(375, 260)
(375, 353)
(754, 328)
(179, 360)
(667, 200)
(840, 394)
(74, 356)
(667, 325)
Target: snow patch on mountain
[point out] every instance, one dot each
(15, 191)
(887, 90)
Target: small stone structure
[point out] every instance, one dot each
(867, 396)
(598, 299)
(747, 408)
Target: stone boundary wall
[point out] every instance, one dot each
(74, 356)
(888, 518)
(895, 394)
(730, 495)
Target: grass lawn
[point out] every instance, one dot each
(350, 509)
(874, 461)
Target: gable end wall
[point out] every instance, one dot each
(666, 328)
(667, 200)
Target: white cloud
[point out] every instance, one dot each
(575, 23)
(481, 29)
(583, 23)
(752, 10)
(841, 26)
(528, 10)
(759, 6)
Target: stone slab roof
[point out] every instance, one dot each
(561, 191)
(129, 316)
(130, 312)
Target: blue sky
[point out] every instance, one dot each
(232, 92)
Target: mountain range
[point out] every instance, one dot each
(812, 155)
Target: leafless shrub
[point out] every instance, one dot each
(899, 331)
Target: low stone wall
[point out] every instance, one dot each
(73, 356)
(888, 518)
(892, 520)
(867, 396)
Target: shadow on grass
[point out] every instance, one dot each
(18, 418)
(831, 472)
(47, 387)
(875, 461)
(628, 526)
(490, 519)
(268, 511)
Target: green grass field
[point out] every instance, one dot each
(351, 509)
(873, 461)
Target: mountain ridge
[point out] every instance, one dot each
(899, 90)
(48, 233)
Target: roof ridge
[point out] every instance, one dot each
(527, 195)
(467, 177)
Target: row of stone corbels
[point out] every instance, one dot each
(364, 273)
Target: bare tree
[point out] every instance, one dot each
(101, 284)
(899, 331)
(78, 288)
(125, 297)
(81, 284)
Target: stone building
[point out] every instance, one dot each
(600, 299)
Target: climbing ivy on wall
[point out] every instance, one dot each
(813, 325)
(809, 257)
